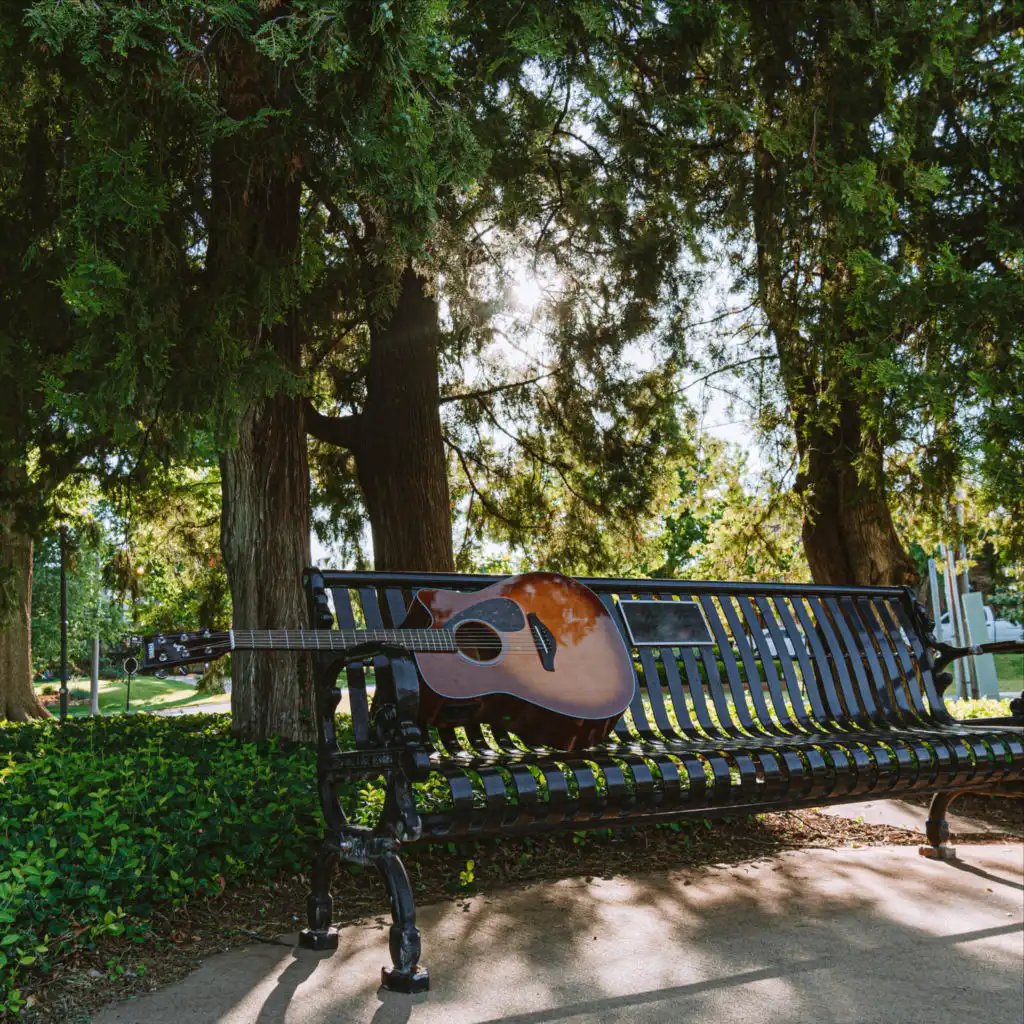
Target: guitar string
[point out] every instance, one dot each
(424, 641)
(418, 645)
(309, 638)
(358, 636)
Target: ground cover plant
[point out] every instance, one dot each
(106, 819)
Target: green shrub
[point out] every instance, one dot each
(986, 707)
(101, 820)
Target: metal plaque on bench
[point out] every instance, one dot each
(665, 623)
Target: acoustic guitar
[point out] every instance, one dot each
(537, 654)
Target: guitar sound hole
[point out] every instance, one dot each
(478, 641)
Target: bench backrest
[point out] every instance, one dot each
(786, 658)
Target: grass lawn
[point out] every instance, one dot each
(1010, 671)
(148, 694)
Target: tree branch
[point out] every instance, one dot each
(497, 389)
(484, 500)
(718, 317)
(601, 159)
(344, 330)
(764, 357)
(342, 431)
(560, 468)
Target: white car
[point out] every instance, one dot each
(997, 629)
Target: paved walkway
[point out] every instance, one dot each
(912, 817)
(858, 935)
(224, 707)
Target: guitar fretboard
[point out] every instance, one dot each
(340, 639)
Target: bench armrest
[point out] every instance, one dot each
(379, 761)
(948, 654)
(394, 726)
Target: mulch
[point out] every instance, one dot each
(116, 968)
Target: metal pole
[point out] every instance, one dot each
(969, 685)
(971, 667)
(963, 544)
(933, 583)
(94, 682)
(965, 588)
(63, 623)
(94, 685)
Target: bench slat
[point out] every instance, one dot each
(732, 672)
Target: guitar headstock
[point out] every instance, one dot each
(168, 649)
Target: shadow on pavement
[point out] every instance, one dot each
(868, 935)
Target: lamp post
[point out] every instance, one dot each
(63, 623)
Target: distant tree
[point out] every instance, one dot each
(865, 160)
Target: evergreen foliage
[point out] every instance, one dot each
(865, 160)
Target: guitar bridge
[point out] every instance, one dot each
(544, 640)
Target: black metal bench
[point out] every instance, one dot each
(811, 696)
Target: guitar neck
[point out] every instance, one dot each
(436, 640)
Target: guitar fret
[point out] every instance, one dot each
(341, 639)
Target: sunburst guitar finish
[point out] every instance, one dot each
(538, 655)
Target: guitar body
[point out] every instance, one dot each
(538, 655)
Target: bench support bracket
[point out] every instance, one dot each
(319, 905)
(401, 758)
(937, 828)
(404, 938)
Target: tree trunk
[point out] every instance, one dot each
(254, 240)
(265, 541)
(18, 701)
(848, 532)
(399, 449)
(265, 496)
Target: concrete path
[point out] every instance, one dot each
(912, 817)
(856, 935)
(213, 708)
(224, 707)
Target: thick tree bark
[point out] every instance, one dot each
(18, 701)
(397, 440)
(848, 532)
(400, 452)
(265, 541)
(254, 238)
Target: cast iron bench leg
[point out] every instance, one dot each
(319, 904)
(937, 828)
(404, 940)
